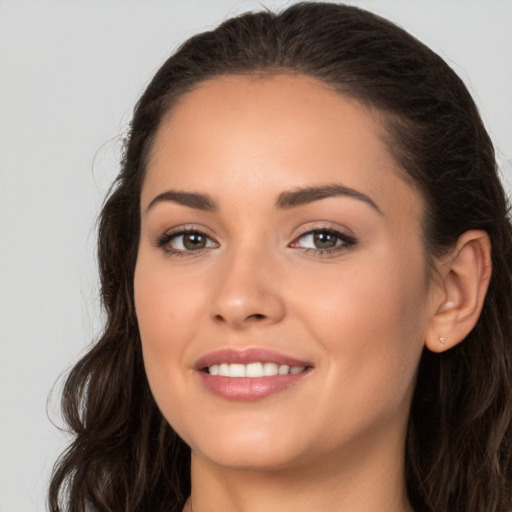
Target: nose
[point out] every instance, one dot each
(247, 292)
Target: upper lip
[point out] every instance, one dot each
(246, 356)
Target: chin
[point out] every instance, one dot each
(246, 448)
(248, 458)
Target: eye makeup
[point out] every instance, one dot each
(318, 241)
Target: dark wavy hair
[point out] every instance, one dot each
(125, 456)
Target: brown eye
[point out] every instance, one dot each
(194, 241)
(324, 240)
(183, 242)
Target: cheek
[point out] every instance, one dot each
(165, 308)
(162, 334)
(370, 321)
(166, 305)
(383, 295)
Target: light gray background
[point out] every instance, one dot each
(70, 73)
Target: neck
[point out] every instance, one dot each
(370, 479)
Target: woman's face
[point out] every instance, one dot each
(279, 240)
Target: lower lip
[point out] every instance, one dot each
(249, 388)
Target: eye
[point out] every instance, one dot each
(186, 241)
(320, 240)
(324, 241)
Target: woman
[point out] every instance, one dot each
(306, 264)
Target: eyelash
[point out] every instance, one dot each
(344, 242)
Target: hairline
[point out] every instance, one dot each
(383, 118)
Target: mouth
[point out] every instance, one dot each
(249, 374)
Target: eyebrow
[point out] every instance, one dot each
(191, 199)
(285, 201)
(302, 196)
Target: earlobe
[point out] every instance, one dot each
(461, 288)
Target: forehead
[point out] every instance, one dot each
(286, 109)
(265, 134)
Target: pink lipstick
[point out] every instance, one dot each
(249, 374)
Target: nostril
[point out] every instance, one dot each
(256, 316)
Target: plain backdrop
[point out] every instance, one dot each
(70, 73)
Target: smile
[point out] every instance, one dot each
(250, 374)
(254, 370)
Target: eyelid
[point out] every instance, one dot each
(335, 228)
(187, 228)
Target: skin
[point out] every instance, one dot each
(360, 314)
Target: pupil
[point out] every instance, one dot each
(194, 241)
(324, 240)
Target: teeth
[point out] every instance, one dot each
(284, 369)
(254, 370)
(237, 370)
(270, 369)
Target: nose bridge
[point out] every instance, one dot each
(247, 288)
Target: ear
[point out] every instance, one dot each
(459, 291)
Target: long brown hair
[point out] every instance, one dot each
(125, 457)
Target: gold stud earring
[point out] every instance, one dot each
(442, 340)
